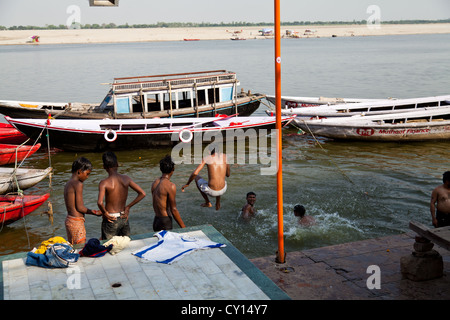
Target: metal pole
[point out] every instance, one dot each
(280, 253)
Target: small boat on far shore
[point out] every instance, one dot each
(15, 207)
(10, 153)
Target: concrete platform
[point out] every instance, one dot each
(212, 274)
(340, 272)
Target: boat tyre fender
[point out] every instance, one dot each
(186, 135)
(108, 134)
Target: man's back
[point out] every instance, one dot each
(161, 190)
(217, 170)
(116, 192)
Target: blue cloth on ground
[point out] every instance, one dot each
(173, 246)
(59, 255)
(94, 249)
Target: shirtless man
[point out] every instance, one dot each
(216, 186)
(114, 190)
(248, 210)
(163, 194)
(307, 221)
(73, 197)
(440, 203)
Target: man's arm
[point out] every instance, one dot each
(140, 195)
(434, 196)
(173, 205)
(194, 174)
(100, 204)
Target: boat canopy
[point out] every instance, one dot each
(171, 91)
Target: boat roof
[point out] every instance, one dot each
(175, 80)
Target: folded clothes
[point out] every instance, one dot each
(172, 247)
(94, 249)
(119, 243)
(58, 255)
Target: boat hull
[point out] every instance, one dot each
(9, 152)
(26, 178)
(13, 207)
(10, 135)
(381, 133)
(94, 139)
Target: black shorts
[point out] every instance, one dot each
(119, 227)
(162, 223)
(443, 219)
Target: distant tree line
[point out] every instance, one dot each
(209, 24)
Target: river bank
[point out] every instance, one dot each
(70, 36)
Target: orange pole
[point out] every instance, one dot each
(280, 253)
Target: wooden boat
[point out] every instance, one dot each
(431, 123)
(10, 153)
(25, 178)
(368, 108)
(15, 207)
(195, 94)
(126, 134)
(10, 135)
(300, 102)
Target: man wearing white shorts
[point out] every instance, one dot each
(218, 170)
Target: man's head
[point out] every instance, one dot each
(166, 164)
(109, 160)
(81, 164)
(251, 198)
(299, 210)
(446, 176)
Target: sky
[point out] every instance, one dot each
(56, 12)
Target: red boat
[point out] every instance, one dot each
(8, 152)
(15, 207)
(10, 135)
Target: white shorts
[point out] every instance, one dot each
(203, 186)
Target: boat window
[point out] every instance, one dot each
(110, 126)
(184, 99)
(153, 103)
(133, 126)
(226, 94)
(157, 125)
(213, 95)
(201, 96)
(123, 105)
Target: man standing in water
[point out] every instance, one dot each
(114, 190)
(218, 170)
(440, 203)
(163, 194)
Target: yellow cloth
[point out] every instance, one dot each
(47, 243)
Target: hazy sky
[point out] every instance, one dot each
(42, 12)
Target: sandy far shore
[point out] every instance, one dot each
(8, 37)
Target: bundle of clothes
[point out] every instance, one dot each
(56, 252)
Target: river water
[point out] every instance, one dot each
(354, 190)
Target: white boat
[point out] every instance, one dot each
(432, 123)
(127, 134)
(367, 108)
(301, 102)
(24, 178)
(194, 94)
